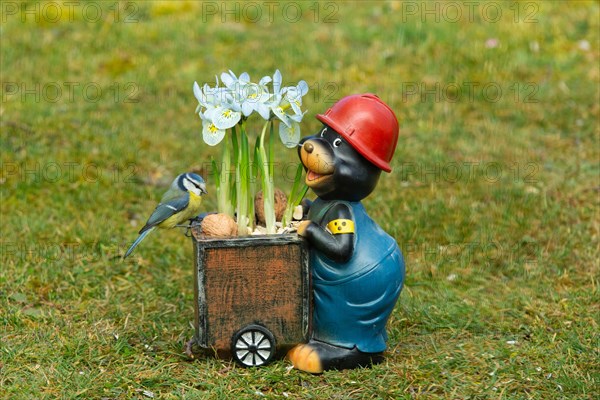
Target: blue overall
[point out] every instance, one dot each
(353, 300)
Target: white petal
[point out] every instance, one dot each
(244, 77)
(290, 136)
(297, 117)
(302, 88)
(210, 111)
(234, 104)
(251, 91)
(276, 82)
(296, 106)
(247, 108)
(225, 118)
(227, 79)
(264, 80)
(211, 134)
(210, 96)
(264, 97)
(275, 100)
(292, 94)
(279, 113)
(226, 95)
(227, 99)
(264, 110)
(197, 92)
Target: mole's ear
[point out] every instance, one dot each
(320, 133)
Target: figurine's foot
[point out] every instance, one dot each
(316, 357)
(305, 358)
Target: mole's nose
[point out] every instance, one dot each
(308, 147)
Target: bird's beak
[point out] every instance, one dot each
(203, 190)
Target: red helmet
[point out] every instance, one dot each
(368, 124)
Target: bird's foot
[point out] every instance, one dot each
(188, 228)
(315, 357)
(191, 223)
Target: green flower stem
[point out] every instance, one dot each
(242, 182)
(216, 176)
(234, 182)
(248, 180)
(271, 152)
(267, 170)
(223, 184)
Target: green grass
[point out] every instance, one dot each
(501, 296)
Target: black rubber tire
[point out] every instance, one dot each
(253, 346)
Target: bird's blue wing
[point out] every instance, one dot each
(166, 210)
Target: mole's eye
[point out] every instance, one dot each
(337, 142)
(323, 132)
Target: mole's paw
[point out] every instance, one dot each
(316, 357)
(305, 358)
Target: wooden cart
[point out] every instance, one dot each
(252, 296)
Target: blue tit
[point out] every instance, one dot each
(179, 204)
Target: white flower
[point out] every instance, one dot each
(294, 95)
(198, 94)
(231, 81)
(245, 96)
(285, 100)
(221, 108)
(209, 98)
(235, 85)
(281, 109)
(218, 110)
(256, 97)
(214, 112)
(278, 109)
(289, 127)
(277, 83)
(289, 97)
(290, 135)
(211, 135)
(224, 117)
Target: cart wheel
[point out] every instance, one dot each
(253, 346)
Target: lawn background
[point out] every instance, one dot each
(493, 199)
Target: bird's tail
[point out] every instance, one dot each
(137, 241)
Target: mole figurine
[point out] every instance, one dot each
(357, 268)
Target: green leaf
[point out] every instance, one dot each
(271, 151)
(215, 173)
(256, 169)
(234, 141)
(297, 193)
